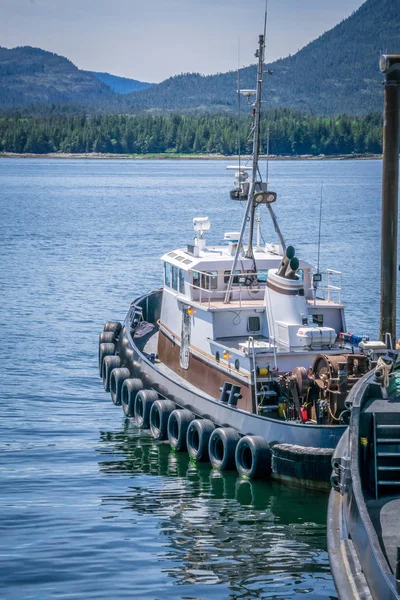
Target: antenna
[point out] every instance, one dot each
(267, 163)
(239, 101)
(265, 18)
(319, 227)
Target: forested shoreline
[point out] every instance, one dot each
(290, 133)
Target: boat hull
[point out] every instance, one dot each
(185, 395)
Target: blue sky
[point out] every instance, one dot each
(154, 40)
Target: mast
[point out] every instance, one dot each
(390, 66)
(256, 141)
(251, 205)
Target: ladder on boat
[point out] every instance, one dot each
(386, 453)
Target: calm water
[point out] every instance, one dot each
(91, 507)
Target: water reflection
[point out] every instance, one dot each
(258, 539)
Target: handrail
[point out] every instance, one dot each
(329, 287)
(251, 339)
(241, 289)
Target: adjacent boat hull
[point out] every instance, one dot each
(360, 559)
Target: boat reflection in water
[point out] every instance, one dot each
(255, 539)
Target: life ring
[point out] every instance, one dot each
(109, 364)
(159, 415)
(117, 379)
(222, 446)
(143, 402)
(130, 388)
(178, 423)
(105, 349)
(253, 457)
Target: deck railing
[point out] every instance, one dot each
(240, 291)
(330, 287)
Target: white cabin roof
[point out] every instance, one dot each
(218, 258)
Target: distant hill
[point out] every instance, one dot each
(34, 76)
(336, 73)
(121, 85)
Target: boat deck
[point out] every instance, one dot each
(219, 304)
(384, 515)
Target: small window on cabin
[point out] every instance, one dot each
(209, 280)
(253, 324)
(181, 281)
(167, 274)
(262, 275)
(227, 274)
(318, 320)
(175, 278)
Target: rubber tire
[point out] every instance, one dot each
(109, 364)
(114, 326)
(105, 350)
(222, 446)
(143, 404)
(159, 415)
(253, 457)
(130, 388)
(117, 379)
(178, 423)
(106, 337)
(198, 437)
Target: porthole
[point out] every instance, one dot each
(217, 356)
(237, 364)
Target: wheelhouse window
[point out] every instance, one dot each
(167, 274)
(181, 281)
(253, 324)
(209, 280)
(175, 278)
(235, 278)
(262, 275)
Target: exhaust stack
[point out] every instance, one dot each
(390, 66)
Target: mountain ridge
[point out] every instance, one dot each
(333, 74)
(316, 78)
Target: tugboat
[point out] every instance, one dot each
(242, 358)
(364, 504)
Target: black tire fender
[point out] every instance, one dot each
(130, 388)
(109, 364)
(159, 415)
(198, 437)
(106, 337)
(143, 404)
(253, 457)
(117, 379)
(114, 326)
(105, 349)
(178, 423)
(222, 446)
(302, 462)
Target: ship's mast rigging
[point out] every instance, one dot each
(258, 192)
